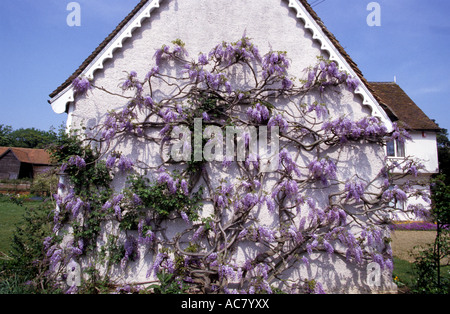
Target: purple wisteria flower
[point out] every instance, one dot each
(320, 109)
(259, 113)
(227, 272)
(420, 211)
(347, 129)
(157, 264)
(227, 161)
(168, 115)
(352, 83)
(185, 217)
(270, 204)
(328, 247)
(323, 170)
(77, 161)
(165, 53)
(198, 233)
(125, 164)
(285, 160)
(136, 200)
(295, 234)
(131, 250)
(395, 193)
(145, 234)
(131, 82)
(399, 134)
(81, 85)
(76, 250)
(110, 162)
(203, 59)
(305, 260)
(76, 207)
(184, 187)
(265, 234)
(327, 74)
(218, 80)
(172, 185)
(195, 71)
(205, 116)
(119, 121)
(355, 190)
(275, 63)
(223, 194)
(115, 205)
(286, 83)
(249, 201)
(242, 50)
(280, 122)
(118, 212)
(318, 289)
(152, 72)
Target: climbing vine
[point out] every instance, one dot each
(218, 201)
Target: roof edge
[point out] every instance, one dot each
(64, 94)
(336, 52)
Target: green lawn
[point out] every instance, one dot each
(403, 274)
(10, 215)
(405, 278)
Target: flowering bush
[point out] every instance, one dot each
(415, 225)
(219, 215)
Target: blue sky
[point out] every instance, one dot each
(39, 50)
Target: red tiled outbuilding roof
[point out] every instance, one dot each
(28, 155)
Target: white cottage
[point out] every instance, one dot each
(422, 146)
(317, 222)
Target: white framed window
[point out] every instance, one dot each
(395, 149)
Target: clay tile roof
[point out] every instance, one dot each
(402, 106)
(28, 155)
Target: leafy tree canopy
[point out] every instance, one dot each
(26, 138)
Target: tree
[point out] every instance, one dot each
(444, 154)
(5, 133)
(31, 138)
(428, 261)
(311, 202)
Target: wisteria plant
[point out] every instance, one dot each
(278, 213)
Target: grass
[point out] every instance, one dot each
(403, 274)
(405, 278)
(10, 215)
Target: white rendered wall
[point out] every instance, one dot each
(424, 147)
(202, 24)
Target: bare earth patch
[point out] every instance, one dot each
(403, 242)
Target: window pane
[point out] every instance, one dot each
(400, 149)
(390, 149)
